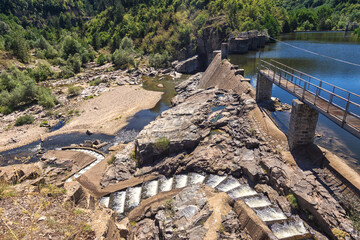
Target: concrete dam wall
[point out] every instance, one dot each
(222, 74)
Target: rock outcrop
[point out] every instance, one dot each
(210, 131)
(188, 66)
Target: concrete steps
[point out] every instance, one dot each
(283, 227)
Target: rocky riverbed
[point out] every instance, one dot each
(207, 133)
(210, 132)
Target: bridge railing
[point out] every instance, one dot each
(303, 83)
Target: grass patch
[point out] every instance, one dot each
(162, 144)
(111, 160)
(88, 97)
(44, 123)
(51, 190)
(78, 211)
(340, 235)
(293, 201)
(26, 119)
(95, 82)
(6, 191)
(74, 90)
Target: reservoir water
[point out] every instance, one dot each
(333, 44)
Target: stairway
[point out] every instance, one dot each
(284, 228)
(99, 157)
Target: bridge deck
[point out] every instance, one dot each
(324, 103)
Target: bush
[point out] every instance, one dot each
(42, 72)
(127, 44)
(19, 47)
(74, 63)
(26, 119)
(45, 98)
(70, 47)
(160, 60)
(74, 90)
(95, 82)
(66, 72)
(101, 59)
(51, 53)
(123, 59)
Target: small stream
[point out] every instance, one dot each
(30, 152)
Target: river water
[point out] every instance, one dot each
(334, 44)
(28, 153)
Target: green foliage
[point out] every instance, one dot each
(160, 60)
(16, 89)
(70, 46)
(162, 144)
(42, 72)
(19, 47)
(293, 201)
(111, 160)
(46, 99)
(26, 119)
(66, 72)
(74, 63)
(123, 58)
(101, 59)
(74, 90)
(95, 82)
(357, 32)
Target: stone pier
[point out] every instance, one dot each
(224, 50)
(263, 88)
(302, 126)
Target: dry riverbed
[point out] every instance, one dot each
(102, 107)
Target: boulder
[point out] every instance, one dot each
(188, 66)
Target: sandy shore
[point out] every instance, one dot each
(106, 114)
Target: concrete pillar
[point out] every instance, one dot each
(224, 50)
(261, 43)
(263, 88)
(302, 126)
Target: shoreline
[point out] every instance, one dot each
(110, 124)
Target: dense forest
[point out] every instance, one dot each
(70, 33)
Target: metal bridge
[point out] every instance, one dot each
(337, 104)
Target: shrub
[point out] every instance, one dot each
(51, 53)
(74, 90)
(66, 72)
(160, 60)
(127, 44)
(26, 119)
(42, 72)
(74, 63)
(45, 98)
(70, 46)
(19, 47)
(95, 82)
(123, 59)
(101, 59)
